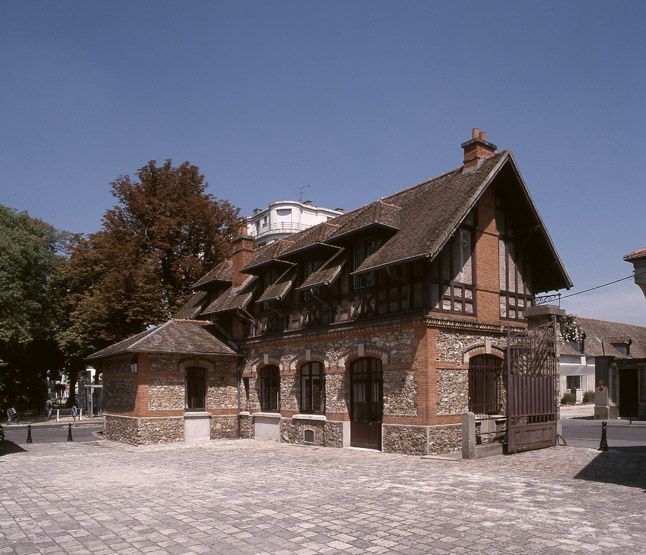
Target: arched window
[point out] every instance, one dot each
(195, 388)
(270, 389)
(485, 384)
(312, 388)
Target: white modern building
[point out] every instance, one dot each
(284, 217)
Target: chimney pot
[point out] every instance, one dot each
(476, 149)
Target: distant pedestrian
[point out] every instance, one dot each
(50, 407)
(74, 413)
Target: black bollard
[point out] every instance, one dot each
(29, 434)
(69, 433)
(603, 445)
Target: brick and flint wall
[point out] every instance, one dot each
(148, 406)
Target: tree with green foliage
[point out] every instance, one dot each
(165, 232)
(30, 255)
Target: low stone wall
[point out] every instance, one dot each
(421, 440)
(444, 439)
(409, 440)
(160, 430)
(292, 430)
(224, 427)
(333, 434)
(246, 426)
(121, 428)
(144, 431)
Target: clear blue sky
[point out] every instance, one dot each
(354, 99)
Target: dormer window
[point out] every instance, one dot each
(362, 250)
(309, 268)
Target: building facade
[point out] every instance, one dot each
(376, 329)
(285, 217)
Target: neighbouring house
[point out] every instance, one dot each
(285, 217)
(378, 328)
(620, 372)
(596, 338)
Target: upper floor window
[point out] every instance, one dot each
(362, 250)
(309, 267)
(312, 388)
(452, 283)
(270, 389)
(514, 271)
(195, 389)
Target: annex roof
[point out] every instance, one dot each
(173, 337)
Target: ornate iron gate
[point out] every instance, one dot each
(532, 389)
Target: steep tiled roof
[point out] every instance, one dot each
(635, 255)
(234, 298)
(222, 272)
(174, 336)
(600, 335)
(421, 217)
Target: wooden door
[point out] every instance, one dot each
(366, 386)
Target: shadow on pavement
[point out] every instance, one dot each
(7, 447)
(624, 466)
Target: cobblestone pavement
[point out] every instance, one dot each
(253, 497)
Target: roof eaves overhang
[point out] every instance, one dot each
(536, 214)
(317, 244)
(362, 229)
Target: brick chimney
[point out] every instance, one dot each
(477, 148)
(242, 247)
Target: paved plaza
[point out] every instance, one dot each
(254, 497)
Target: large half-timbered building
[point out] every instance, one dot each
(376, 329)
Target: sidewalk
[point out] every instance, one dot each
(586, 412)
(38, 421)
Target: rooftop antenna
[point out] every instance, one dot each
(301, 190)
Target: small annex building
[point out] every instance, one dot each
(378, 328)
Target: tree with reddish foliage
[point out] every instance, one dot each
(165, 232)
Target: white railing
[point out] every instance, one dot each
(282, 227)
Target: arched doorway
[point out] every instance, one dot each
(366, 403)
(485, 385)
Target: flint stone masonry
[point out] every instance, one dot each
(120, 388)
(444, 439)
(292, 430)
(409, 440)
(221, 392)
(334, 434)
(160, 430)
(121, 428)
(143, 431)
(224, 427)
(452, 391)
(246, 426)
(400, 394)
(166, 392)
(400, 346)
(336, 393)
(289, 393)
(451, 345)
